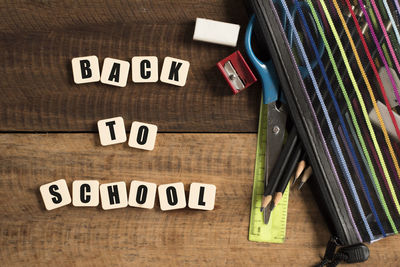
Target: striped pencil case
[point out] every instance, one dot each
(338, 64)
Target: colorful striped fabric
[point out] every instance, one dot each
(362, 154)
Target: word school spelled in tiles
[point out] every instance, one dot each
(85, 193)
(115, 72)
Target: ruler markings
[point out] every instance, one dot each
(275, 230)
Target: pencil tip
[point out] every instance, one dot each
(300, 185)
(267, 215)
(272, 206)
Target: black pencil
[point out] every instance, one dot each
(279, 168)
(289, 169)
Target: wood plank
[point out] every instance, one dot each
(32, 16)
(38, 92)
(92, 237)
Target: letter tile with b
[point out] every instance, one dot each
(85, 69)
(112, 131)
(172, 196)
(55, 194)
(113, 195)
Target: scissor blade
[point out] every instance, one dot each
(276, 123)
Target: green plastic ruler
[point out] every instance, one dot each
(275, 230)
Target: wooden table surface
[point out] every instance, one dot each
(48, 132)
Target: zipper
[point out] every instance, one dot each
(350, 254)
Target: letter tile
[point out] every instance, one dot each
(111, 131)
(142, 194)
(174, 71)
(172, 196)
(55, 194)
(86, 69)
(85, 193)
(113, 195)
(202, 196)
(144, 69)
(115, 72)
(142, 135)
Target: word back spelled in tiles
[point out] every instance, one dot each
(111, 131)
(113, 196)
(55, 194)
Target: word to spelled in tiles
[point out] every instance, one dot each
(85, 193)
(112, 131)
(115, 72)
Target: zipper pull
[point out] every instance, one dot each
(355, 253)
(329, 252)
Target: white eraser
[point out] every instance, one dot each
(216, 32)
(387, 85)
(387, 120)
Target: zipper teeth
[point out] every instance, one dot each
(348, 232)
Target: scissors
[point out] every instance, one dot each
(273, 97)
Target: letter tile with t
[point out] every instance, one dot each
(112, 131)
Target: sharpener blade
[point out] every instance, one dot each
(233, 76)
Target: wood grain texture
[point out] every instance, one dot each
(38, 39)
(72, 236)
